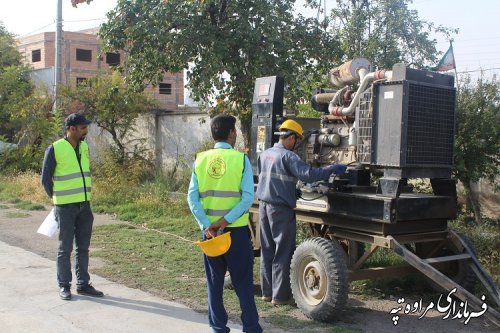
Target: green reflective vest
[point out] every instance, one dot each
(219, 173)
(71, 179)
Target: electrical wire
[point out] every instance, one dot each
(45, 26)
(87, 20)
(479, 70)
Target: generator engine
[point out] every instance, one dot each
(396, 124)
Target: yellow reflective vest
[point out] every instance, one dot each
(71, 178)
(219, 173)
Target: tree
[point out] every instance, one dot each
(477, 142)
(25, 116)
(224, 46)
(15, 85)
(383, 31)
(35, 129)
(9, 56)
(107, 101)
(15, 88)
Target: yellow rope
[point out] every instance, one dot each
(162, 232)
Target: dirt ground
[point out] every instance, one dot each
(18, 228)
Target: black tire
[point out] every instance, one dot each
(319, 278)
(458, 271)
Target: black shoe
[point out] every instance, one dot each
(89, 290)
(65, 293)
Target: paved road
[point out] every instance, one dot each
(29, 301)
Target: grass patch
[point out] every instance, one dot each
(4, 206)
(23, 187)
(280, 317)
(16, 215)
(26, 205)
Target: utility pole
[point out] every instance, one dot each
(58, 66)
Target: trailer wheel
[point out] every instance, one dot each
(319, 278)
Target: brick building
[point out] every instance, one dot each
(80, 60)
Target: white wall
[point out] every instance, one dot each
(172, 137)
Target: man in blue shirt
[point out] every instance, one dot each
(279, 170)
(219, 196)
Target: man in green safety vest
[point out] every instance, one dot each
(66, 179)
(219, 196)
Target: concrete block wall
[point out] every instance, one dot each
(173, 138)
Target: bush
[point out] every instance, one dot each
(485, 238)
(28, 158)
(24, 185)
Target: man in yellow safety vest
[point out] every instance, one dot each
(66, 179)
(219, 196)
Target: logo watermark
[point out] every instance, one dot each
(451, 308)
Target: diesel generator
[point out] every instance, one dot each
(393, 129)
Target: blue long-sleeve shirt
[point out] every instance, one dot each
(279, 170)
(238, 210)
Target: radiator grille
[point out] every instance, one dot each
(365, 122)
(430, 125)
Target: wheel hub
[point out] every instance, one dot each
(314, 282)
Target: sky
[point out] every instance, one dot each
(477, 46)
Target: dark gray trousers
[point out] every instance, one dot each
(277, 237)
(75, 224)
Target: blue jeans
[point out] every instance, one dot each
(238, 260)
(75, 223)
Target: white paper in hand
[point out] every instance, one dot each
(49, 225)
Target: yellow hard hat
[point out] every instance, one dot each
(216, 246)
(292, 125)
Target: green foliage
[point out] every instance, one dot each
(30, 124)
(26, 205)
(477, 139)
(107, 101)
(477, 144)
(224, 45)
(306, 111)
(118, 175)
(24, 111)
(9, 56)
(385, 32)
(485, 238)
(15, 85)
(134, 190)
(15, 88)
(21, 159)
(22, 187)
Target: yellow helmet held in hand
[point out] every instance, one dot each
(292, 125)
(216, 246)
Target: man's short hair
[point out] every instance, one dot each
(221, 125)
(75, 119)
